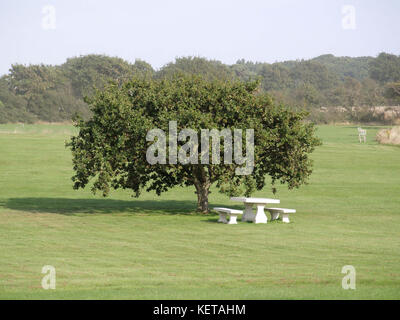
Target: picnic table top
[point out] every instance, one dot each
(255, 200)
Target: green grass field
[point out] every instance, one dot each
(158, 248)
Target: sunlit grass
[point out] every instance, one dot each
(158, 248)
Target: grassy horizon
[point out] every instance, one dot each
(158, 248)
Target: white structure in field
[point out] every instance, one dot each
(259, 216)
(362, 134)
(232, 213)
(275, 212)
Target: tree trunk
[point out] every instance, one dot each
(202, 183)
(202, 191)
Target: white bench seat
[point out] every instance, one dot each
(275, 212)
(232, 213)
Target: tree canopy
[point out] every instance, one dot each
(55, 93)
(111, 147)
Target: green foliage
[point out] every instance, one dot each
(55, 93)
(245, 70)
(209, 69)
(314, 73)
(392, 92)
(13, 107)
(46, 92)
(275, 77)
(343, 67)
(325, 81)
(111, 147)
(31, 80)
(385, 68)
(94, 71)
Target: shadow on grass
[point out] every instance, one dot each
(212, 219)
(239, 220)
(102, 206)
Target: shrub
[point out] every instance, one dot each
(389, 136)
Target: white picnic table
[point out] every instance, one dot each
(259, 216)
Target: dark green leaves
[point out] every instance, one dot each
(111, 147)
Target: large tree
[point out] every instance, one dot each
(111, 147)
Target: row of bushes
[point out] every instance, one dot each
(385, 115)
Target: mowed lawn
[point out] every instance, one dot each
(158, 248)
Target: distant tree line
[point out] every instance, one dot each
(55, 93)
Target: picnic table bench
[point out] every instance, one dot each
(259, 216)
(232, 213)
(285, 213)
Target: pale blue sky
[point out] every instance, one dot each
(226, 30)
